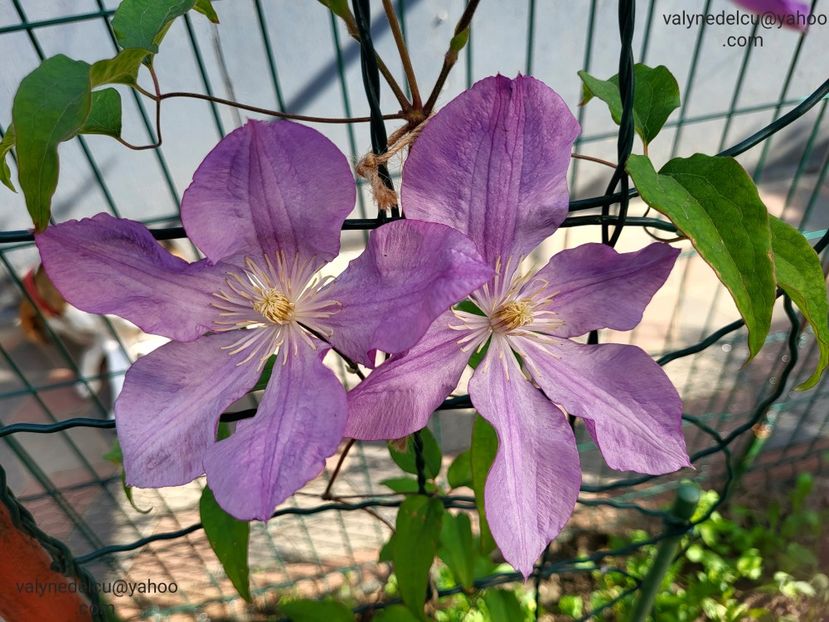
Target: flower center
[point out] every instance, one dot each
(273, 305)
(512, 315)
(276, 307)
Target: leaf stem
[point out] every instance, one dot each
(397, 32)
(451, 56)
(265, 111)
(580, 156)
(326, 494)
(157, 96)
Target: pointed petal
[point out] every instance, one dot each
(409, 274)
(400, 395)
(113, 265)
(533, 484)
(168, 410)
(635, 410)
(268, 186)
(492, 163)
(593, 286)
(298, 425)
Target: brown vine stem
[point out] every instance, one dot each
(451, 56)
(580, 156)
(394, 24)
(266, 111)
(157, 143)
(326, 494)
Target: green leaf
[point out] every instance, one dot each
(265, 375)
(655, 97)
(228, 538)
(121, 69)
(482, 455)
(105, 114)
(800, 275)
(50, 106)
(479, 354)
(469, 306)
(205, 7)
(143, 23)
(431, 455)
(460, 471)
(457, 548)
(5, 146)
(503, 606)
(407, 485)
(317, 611)
(714, 202)
(395, 613)
(417, 530)
(571, 605)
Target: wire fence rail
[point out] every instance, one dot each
(612, 219)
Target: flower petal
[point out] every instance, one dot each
(113, 265)
(492, 163)
(298, 425)
(409, 274)
(270, 185)
(168, 410)
(635, 410)
(593, 286)
(401, 394)
(533, 484)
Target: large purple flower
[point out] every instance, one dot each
(492, 164)
(265, 207)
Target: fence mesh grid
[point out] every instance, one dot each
(320, 546)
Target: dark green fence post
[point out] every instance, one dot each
(687, 498)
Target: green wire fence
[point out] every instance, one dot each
(737, 418)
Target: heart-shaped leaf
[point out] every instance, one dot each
(713, 201)
(50, 106)
(143, 23)
(655, 97)
(800, 275)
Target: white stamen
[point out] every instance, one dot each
(273, 303)
(514, 305)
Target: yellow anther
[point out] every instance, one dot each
(512, 315)
(274, 306)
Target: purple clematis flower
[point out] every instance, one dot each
(265, 207)
(492, 164)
